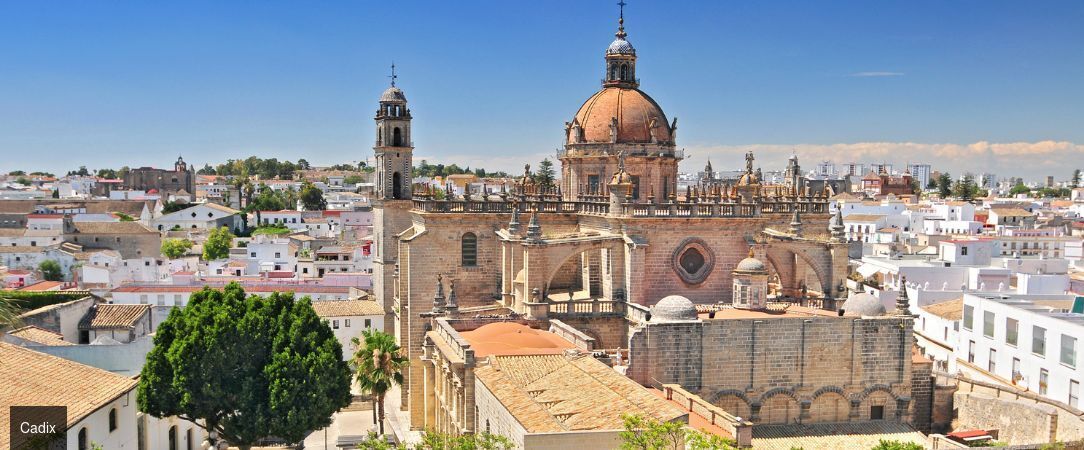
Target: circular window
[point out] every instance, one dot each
(693, 260)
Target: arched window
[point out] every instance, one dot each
(396, 182)
(83, 439)
(613, 72)
(469, 249)
(624, 72)
(112, 419)
(397, 137)
(173, 438)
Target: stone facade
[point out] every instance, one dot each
(784, 370)
(182, 177)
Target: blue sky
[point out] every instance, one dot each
(985, 86)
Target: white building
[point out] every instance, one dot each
(348, 318)
(1031, 342)
(204, 216)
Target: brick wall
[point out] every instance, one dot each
(921, 395)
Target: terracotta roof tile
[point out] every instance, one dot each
(949, 309)
(39, 335)
(556, 393)
(113, 316)
(33, 378)
(340, 308)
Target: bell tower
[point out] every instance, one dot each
(393, 145)
(392, 201)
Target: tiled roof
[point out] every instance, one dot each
(949, 309)
(557, 393)
(112, 228)
(340, 308)
(39, 335)
(43, 286)
(113, 316)
(1011, 212)
(302, 288)
(863, 217)
(831, 436)
(33, 378)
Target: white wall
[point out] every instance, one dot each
(97, 425)
(346, 328)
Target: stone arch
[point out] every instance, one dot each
(829, 404)
(875, 388)
(734, 402)
(779, 406)
(780, 255)
(397, 137)
(563, 253)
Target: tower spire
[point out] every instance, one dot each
(621, 19)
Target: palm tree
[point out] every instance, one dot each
(379, 363)
(9, 313)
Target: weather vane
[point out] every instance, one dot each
(393, 76)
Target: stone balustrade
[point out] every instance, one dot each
(594, 205)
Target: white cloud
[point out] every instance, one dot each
(1031, 160)
(877, 74)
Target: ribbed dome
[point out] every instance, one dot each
(673, 308)
(748, 179)
(751, 265)
(393, 94)
(620, 47)
(634, 111)
(863, 304)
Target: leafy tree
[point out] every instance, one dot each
(207, 170)
(175, 248)
(440, 441)
(1020, 188)
(56, 193)
(353, 179)
(642, 433)
(966, 189)
(16, 173)
(23, 181)
(312, 198)
(931, 184)
(916, 187)
(246, 367)
(379, 364)
(41, 174)
(81, 172)
(124, 217)
(896, 445)
(545, 174)
(303, 164)
(170, 207)
(218, 244)
(123, 172)
(50, 270)
(944, 185)
(106, 173)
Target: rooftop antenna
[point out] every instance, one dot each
(393, 76)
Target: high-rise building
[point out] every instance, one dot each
(920, 172)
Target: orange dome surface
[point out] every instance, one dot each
(634, 111)
(509, 338)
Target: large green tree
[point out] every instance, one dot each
(50, 270)
(246, 367)
(217, 245)
(379, 364)
(175, 248)
(545, 175)
(643, 433)
(966, 189)
(312, 198)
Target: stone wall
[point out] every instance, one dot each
(792, 369)
(608, 332)
(1020, 417)
(61, 318)
(921, 394)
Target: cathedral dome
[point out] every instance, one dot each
(638, 117)
(863, 305)
(393, 94)
(673, 308)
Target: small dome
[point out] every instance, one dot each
(620, 47)
(748, 179)
(673, 308)
(393, 94)
(751, 264)
(863, 305)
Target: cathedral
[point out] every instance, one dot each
(608, 250)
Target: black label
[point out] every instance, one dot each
(38, 427)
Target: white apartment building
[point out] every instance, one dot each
(1031, 342)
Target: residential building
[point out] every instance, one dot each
(349, 318)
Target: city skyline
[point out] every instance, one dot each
(955, 86)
